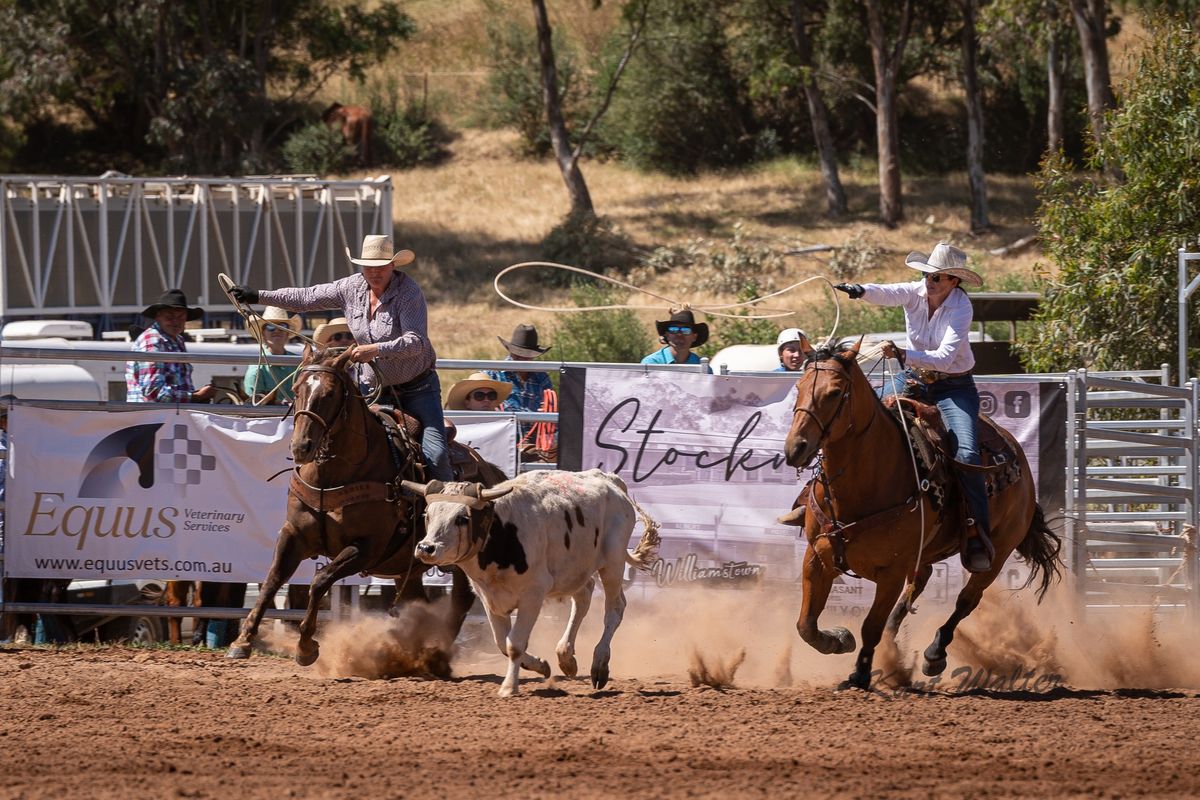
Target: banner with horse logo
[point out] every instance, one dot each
(703, 454)
(158, 492)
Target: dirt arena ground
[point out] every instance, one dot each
(1074, 709)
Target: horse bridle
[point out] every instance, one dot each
(825, 429)
(343, 408)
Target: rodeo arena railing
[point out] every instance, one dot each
(81, 353)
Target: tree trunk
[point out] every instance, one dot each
(1056, 97)
(1089, 22)
(887, 134)
(975, 174)
(835, 195)
(568, 163)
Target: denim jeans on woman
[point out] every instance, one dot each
(958, 400)
(423, 399)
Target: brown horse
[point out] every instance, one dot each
(344, 502)
(355, 123)
(864, 513)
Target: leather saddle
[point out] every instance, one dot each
(936, 447)
(467, 464)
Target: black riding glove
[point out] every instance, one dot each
(244, 294)
(855, 290)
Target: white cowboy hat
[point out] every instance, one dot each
(945, 258)
(457, 397)
(273, 315)
(377, 251)
(789, 335)
(327, 329)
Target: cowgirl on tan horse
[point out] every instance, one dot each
(866, 513)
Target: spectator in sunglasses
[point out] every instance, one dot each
(272, 383)
(680, 334)
(938, 363)
(478, 392)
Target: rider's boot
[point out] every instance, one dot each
(978, 551)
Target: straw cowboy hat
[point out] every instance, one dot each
(457, 398)
(684, 316)
(274, 315)
(172, 298)
(327, 329)
(524, 342)
(945, 258)
(377, 251)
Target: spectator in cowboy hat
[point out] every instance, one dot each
(272, 383)
(385, 310)
(478, 392)
(165, 382)
(528, 387)
(793, 347)
(680, 333)
(938, 365)
(335, 333)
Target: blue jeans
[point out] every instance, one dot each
(423, 399)
(958, 400)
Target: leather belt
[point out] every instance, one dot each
(408, 384)
(928, 376)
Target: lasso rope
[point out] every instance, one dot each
(911, 590)
(249, 315)
(710, 310)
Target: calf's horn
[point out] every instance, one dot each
(492, 494)
(793, 517)
(413, 487)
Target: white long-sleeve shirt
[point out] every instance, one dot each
(938, 342)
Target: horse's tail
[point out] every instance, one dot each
(1040, 549)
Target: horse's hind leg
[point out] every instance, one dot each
(462, 598)
(347, 562)
(816, 586)
(283, 566)
(968, 599)
(886, 592)
(900, 611)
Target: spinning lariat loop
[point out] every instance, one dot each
(674, 304)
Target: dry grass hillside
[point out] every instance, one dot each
(484, 209)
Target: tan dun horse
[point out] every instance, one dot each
(345, 502)
(862, 513)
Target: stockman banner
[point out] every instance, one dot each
(156, 493)
(703, 454)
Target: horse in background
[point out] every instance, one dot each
(862, 513)
(356, 125)
(345, 502)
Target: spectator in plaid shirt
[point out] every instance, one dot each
(161, 381)
(529, 388)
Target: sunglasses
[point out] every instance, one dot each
(934, 278)
(483, 394)
(341, 337)
(679, 329)
(271, 328)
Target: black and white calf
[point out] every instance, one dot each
(543, 534)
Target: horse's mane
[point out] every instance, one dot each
(827, 351)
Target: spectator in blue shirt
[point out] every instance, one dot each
(529, 388)
(680, 334)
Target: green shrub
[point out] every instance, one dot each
(407, 138)
(604, 336)
(850, 261)
(317, 149)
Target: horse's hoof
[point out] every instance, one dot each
(844, 640)
(542, 668)
(568, 665)
(393, 611)
(856, 681)
(933, 666)
(238, 651)
(306, 656)
(599, 677)
(507, 691)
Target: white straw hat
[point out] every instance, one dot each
(945, 258)
(377, 251)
